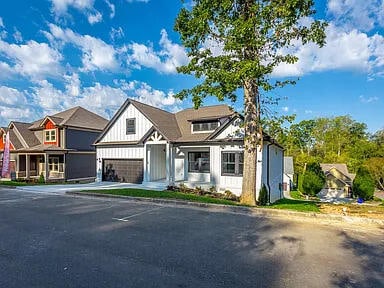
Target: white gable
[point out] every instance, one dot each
(117, 132)
(232, 131)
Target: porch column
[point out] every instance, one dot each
(27, 165)
(17, 165)
(145, 177)
(168, 163)
(46, 167)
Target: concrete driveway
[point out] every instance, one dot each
(62, 188)
(53, 240)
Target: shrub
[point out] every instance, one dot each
(263, 196)
(363, 185)
(312, 183)
(41, 178)
(228, 195)
(313, 179)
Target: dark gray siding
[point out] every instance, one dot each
(80, 140)
(80, 166)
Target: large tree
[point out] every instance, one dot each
(236, 44)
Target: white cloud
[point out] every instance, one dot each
(61, 6)
(116, 33)
(97, 55)
(60, 9)
(146, 94)
(357, 14)
(73, 84)
(371, 99)
(285, 108)
(165, 60)
(14, 105)
(95, 18)
(10, 96)
(17, 36)
(1, 23)
(345, 50)
(112, 7)
(32, 59)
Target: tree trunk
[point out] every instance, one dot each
(251, 139)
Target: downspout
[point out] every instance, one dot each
(268, 165)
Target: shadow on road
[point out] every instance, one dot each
(371, 263)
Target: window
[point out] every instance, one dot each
(131, 126)
(53, 164)
(198, 162)
(50, 135)
(232, 163)
(204, 126)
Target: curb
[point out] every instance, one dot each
(241, 209)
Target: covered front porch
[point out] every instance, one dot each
(31, 166)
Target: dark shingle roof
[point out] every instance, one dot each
(175, 127)
(185, 117)
(164, 121)
(27, 135)
(75, 117)
(339, 166)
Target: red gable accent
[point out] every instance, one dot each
(49, 125)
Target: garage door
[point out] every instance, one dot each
(123, 170)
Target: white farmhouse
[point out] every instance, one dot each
(195, 147)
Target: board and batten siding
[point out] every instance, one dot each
(117, 132)
(232, 131)
(276, 156)
(118, 153)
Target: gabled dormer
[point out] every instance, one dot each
(50, 132)
(204, 125)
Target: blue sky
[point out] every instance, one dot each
(56, 54)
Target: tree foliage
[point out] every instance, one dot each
(375, 167)
(251, 36)
(363, 185)
(313, 179)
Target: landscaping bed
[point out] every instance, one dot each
(165, 194)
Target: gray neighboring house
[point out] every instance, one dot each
(288, 174)
(197, 148)
(339, 181)
(59, 146)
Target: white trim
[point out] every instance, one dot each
(50, 140)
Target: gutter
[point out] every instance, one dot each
(268, 165)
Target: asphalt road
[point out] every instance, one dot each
(64, 241)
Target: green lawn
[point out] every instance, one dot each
(297, 205)
(163, 194)
(296, 195)
(13, 183)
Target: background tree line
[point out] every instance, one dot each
(338, 139)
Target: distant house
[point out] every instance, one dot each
(339, 181)
(195, 147)
(288, 174)
(59, 146)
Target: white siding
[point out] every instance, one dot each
(276, 156)
(231, 183)
(118, 153)
(118, 130)
(157, 161)
(179, 165)
(232, 131)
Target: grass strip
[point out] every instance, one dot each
(296, 205)
(164, 194)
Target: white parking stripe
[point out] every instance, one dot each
(125, 219)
